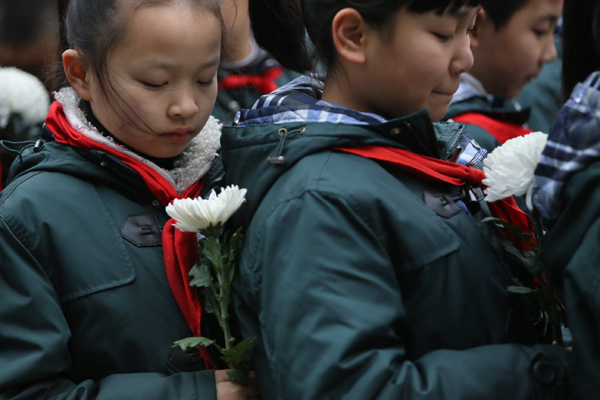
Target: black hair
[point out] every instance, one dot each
(501, 11)
(26, 21)
(93, 28)
(280, 26)
(581, 41)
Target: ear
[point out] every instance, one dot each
(349, 29)
(481, 24)
(77, 74)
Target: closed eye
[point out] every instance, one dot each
(152, 85)
(444, 38)
(206, 83)
(541, 32)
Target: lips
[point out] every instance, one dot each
(178, 135)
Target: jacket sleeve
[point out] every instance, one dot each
(330, 316)
(34, 343)
(573, 257)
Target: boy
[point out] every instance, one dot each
(511, 41)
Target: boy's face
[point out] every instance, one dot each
(508, 58)
(418, 64)
(164, 69)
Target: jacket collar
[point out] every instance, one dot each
(192, 165)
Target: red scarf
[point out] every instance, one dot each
(264, 83)
(180, 248)
(435, 170)
(501, 130)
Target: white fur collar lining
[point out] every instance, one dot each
(193, 164)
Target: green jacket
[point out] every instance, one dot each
(355, 288)
(505, 111)
(572, 254)
(87, 312)
(565, 192)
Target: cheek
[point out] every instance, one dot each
(525, 53)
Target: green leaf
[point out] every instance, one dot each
(517, 230)
(239, 356)
(520, 289)
(192, 342)
(235, 244)
(241, 376)
(212, 252)
(209, 302)
(201, 276)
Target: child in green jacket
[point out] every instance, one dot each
(367, 270)
(511, 41)
(92, 270)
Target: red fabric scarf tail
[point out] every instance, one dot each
(181, 253)
(179, 248)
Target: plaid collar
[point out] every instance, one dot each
(573, 143)
(471, 87)
(299, 101)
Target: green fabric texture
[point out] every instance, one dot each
(573, 256)
(85, 313)
(506, 112)
(354, 288)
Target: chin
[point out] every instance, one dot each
(437, 114)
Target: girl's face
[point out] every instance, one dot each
(418, 64)
(164, 69)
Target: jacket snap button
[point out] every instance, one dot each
(396, 131)
(156, 203)
(544, 373)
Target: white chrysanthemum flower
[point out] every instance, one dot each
(509, 168)
(24, 94)
(195, 215)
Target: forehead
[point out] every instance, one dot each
(540, 9)
(169, 30)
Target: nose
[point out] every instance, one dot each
(549, 51)
(463, 57)
(183, 104)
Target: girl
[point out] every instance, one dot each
(366, 270)
(566, 190)
(93, 294)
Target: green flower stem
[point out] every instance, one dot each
(554, 312)
(224, 284)
(224, 319)
(213, 274)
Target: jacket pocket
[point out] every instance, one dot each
(97, 259)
